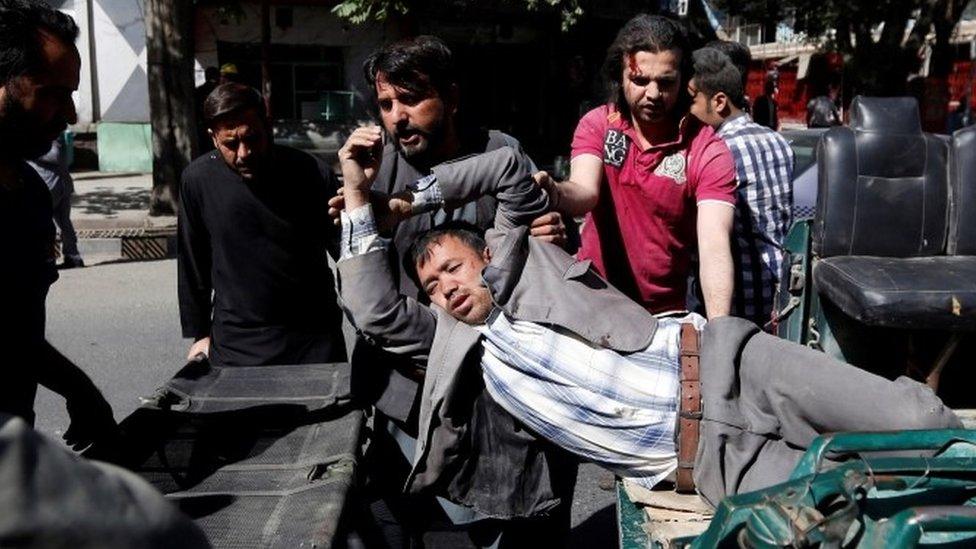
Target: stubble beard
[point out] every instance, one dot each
(19, 131)
(421, 153)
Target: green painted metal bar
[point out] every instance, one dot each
(877, 441)
(906, 528)
(851, 481)
(793, 296)
(630, 522)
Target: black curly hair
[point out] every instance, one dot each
(650, 33)
(419, 65)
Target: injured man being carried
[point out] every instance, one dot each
(576, 361)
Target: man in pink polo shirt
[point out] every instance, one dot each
(655, 182)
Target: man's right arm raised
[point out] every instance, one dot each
(367, 285)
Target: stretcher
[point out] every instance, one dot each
(257, 456)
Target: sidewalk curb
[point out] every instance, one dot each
(90, 176)
(100, 246)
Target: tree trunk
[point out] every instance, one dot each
(169, 50)
(699, 23)
(266, 56)
(944, 20)
(941, 16)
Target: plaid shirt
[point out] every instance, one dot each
(764, 168)
(618, 411)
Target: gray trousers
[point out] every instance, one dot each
(765, 400)
(62, 217)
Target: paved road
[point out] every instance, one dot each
(120, 324)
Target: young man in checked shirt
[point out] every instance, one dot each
(764, 170)
(572, 358)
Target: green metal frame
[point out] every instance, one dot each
(906, 528)
(878, 502)
(793, 298)
(846, 443)
(630, 521)
(801, 316)
(890, 502)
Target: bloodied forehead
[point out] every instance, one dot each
(652, 64)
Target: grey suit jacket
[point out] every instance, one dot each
(390, 384)
(529, 280)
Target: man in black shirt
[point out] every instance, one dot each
(254, 281)
(39, 67)
(822, 111)
(765, 111)
(49, 496)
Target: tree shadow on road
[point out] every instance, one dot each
(108, 201)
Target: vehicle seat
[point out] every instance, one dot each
(962, 214)
(883, 219)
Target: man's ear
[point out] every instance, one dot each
(720, 104)
(213, 137)
(453, 99)
(486, 255)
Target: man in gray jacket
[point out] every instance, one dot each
(577, 362)
(418, 101)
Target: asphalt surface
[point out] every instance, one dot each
(120, 324)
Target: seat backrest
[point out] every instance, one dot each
(882, 184)
(962, 212)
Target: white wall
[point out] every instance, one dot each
(76, 9)
(120, 48)
(116, 88)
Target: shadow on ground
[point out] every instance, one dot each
(107, 201)
(599, 530)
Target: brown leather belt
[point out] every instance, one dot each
(689, 410)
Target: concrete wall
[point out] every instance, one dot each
(113, 89)
(124, 142)
(124, 147)
(77, 10)
(120, 48)
(112, 44)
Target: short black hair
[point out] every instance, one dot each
(740, 56)
(21, 22)
(419, 65)
(468, 234)
(715, 72)
(231, 98)
(650, 33)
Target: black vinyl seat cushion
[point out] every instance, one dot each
(937, 293)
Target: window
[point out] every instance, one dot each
(302, 76)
